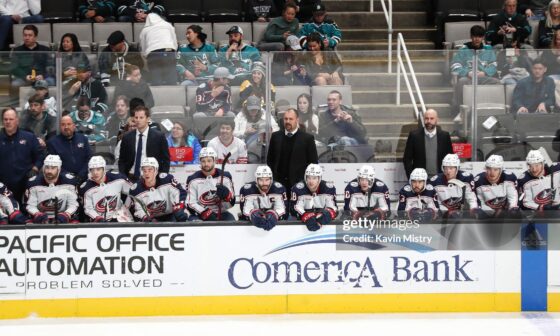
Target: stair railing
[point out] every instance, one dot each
(401, 49)
(389, 18)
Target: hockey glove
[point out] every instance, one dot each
(40, 218)
(271, 220)
(98, 219)
(310, 221)
(180, 216)
(208, 215)
(149, 219)
(325, 216)
(17, 217)
(223, 192)
(258, 219)
(478, 213)
(3, 220)
(63, 217)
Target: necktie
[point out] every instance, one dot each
(138, 157)
(290, 134)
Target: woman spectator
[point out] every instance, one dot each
(251, 122)
(181, 138)
(551, 57)
(256, 86)
(323, 67)
(307, 116)
(72, 55)
(287, 70)
(279, 28)
(551, 24)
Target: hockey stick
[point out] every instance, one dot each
(463, 187)
(55, 220)
(226, 158)
(142, 205)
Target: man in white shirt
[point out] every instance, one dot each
(227, 143)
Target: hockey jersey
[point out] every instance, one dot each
(54, 198)
(537, 192)
(252, 199)
(357, 200)
(409, 200)
(8, 204)
(105, 199)
(160, 201)
(202, 192)
(236, 147)
(304, 200)
(499, 196)
(187, 55)
(208, 104)
(451, 196)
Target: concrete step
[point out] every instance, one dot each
(388, 96)
(377, 19)
(398, 113)
(399, 128)
(380, 80)
(419, 65)
(367, 34)
(363, 5)
(381, 55)
(382, 45)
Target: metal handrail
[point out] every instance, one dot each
(389, 19)
(401, 46)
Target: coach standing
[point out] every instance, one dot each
(20, 153)
(290, 151)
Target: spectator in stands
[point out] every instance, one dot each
(20, 153)
(280, 28)
(508, 28)
(21, 11)
(197, 60)
(551, 57)
(97, 11)
(534, 9)
(134, 103)
(238, 56)
(534, 94)
(138, 10)
(213, 98)
(72, 55)
(427, 146)
(323, 25)
(290, 151)
(72, 147)
(130, 126)
(114, 58)
(260, 10)
(341, 124)
(159, 43)
(309, 121)
(256, 85)
(144, 142)
(37, 120)
(30, 60)
(42, 88)
(251, 123)
(513, 66)
(180, 136)
(85, 85)
(323, 68)
(462, 66)
(225, 143)
(118, 118)
(287, 69)
(304, 8)
(549, 25)
(134, 86)
(88, 121)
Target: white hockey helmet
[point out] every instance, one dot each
(495, 161)
(52, 161)
(97, 162)
(367, 172)
(534, 156)
(418, 174)
(150, 162)
(263, 172)
(314, 170)
(451, 160)
(206, 152)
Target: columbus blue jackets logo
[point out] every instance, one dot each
(156, 207)
(544, 197)
(208, 198)
(50, 205)
(496, 203)
(453, 203)
(107, 203)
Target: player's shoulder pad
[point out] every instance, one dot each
(278, 185)
(523, 176)
(32, 178)
(329, 185)
(429, 187)
(115, 173)
(354, 184)
(300, 185)
(70, 176)
(380, 184)
(433, 178)
(162, 175)
(134, 187)
(466, 174)
(247, 186)
(83, 185)
(477, 178)
(202, 86)
(1, 185)
(407, 188)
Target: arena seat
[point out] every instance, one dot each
(110, 96)
(181, 30)
(137, 28)
(533, 38)
(458, 31)
(169, 98)
(184, 11)
(490, 8)
(501, 135)
(258, 31)
(491, 99)
(58, 11)
(26, 91)
(101, 31)
(191, 99)
(219, 30)
(319, 93)
(235, 98)
(223, 10)
(44, 37)
(291, 92)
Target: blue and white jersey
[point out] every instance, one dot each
(202, 192)
(253, 199)
(166, 197)
(357, 200)
(61, 196)
(498, 196)
(409, 200)
(105, 199)
(304, 200)
(537, 192)
(452, 196)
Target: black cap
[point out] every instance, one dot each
(319, 8)
(116, 37)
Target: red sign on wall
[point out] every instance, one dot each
(464, 150)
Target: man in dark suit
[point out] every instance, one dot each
(290, 151)
(427, 146)
(143, 142)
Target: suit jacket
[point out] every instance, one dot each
(304, 152)
(156, 146)
(415, 150)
